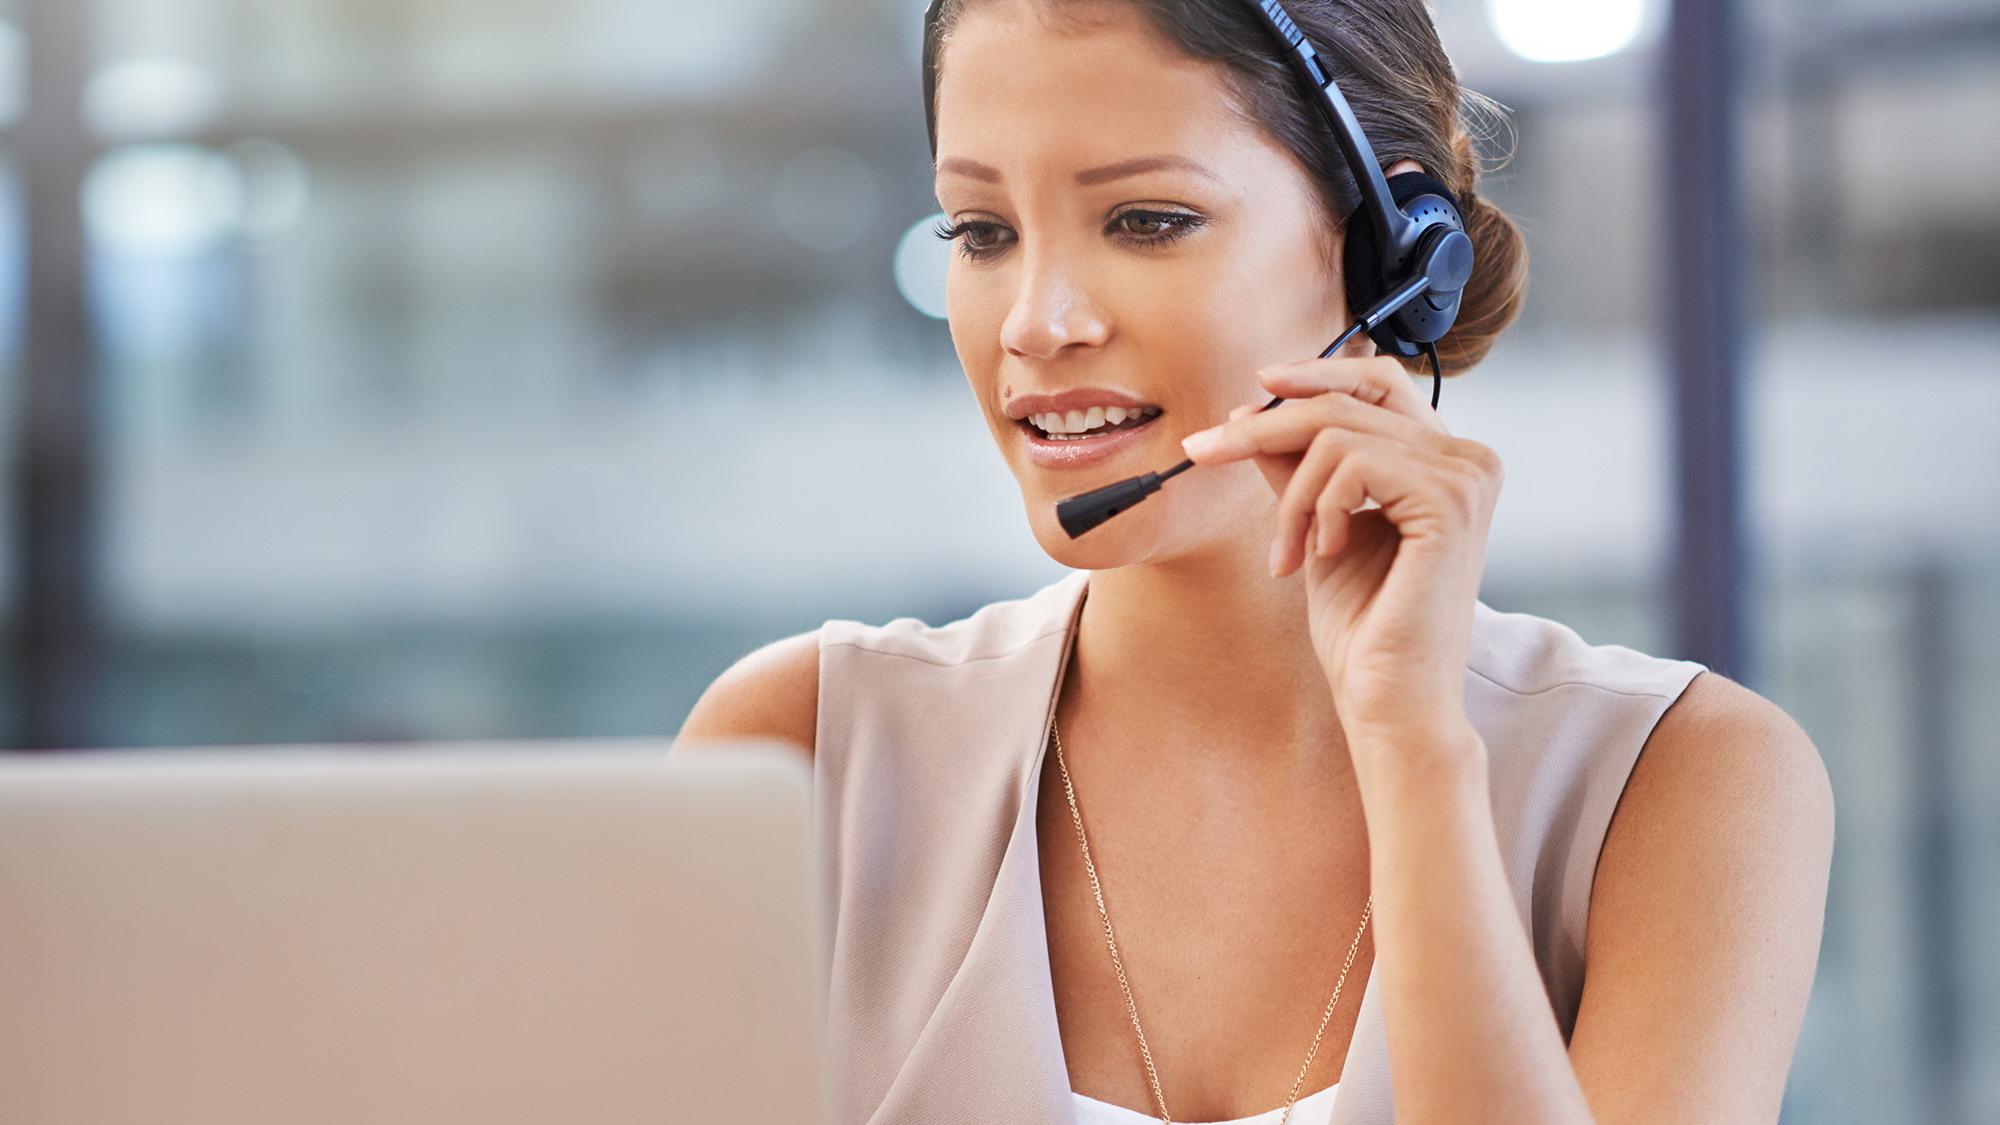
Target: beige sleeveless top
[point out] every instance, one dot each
(927, 768)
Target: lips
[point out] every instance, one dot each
(1072, 451)
(1081, 426)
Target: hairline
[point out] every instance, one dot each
(1056, 13)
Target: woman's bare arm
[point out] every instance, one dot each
(771, 693)
(1705, 916)
(1704, 931)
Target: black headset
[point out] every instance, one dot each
(1405, 268)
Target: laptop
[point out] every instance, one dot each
(501, 935)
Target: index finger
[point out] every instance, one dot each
(1378, 381)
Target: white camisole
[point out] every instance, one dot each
(1313, 1109)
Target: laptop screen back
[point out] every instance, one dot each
(500, 937)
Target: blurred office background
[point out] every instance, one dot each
(471, 368)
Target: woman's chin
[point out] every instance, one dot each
(1218, 508)
(1112, 544)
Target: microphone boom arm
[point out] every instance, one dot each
(1079, 514)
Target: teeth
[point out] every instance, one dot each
(1077, 422)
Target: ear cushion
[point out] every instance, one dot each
(1361, 258)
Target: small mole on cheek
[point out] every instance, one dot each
(1007, 391)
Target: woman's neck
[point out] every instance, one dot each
(1209, 647)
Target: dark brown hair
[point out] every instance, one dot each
(1386, 56)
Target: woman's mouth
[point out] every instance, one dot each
(1080, 425)
(1069, 439)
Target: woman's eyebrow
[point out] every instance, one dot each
(1141, 165)
(1089, 177)
(985, 173)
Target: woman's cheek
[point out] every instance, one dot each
(975, 308)
(1203, 343)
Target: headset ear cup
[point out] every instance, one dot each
(1361, 258)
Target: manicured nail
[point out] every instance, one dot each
(1200, 442)
(1277, 556)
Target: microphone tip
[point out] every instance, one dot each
(1079, 514)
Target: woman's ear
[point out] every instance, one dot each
(1361, 346)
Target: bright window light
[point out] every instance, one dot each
(161, 200)
(1550, 31)
(148, 98)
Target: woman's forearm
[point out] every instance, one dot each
(1471, 1035)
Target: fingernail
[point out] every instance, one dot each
(1277, 556)
(1200, 442)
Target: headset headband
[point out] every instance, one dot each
(931, 15)
(1396, 234)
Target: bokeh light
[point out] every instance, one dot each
(1551, 31)
(922, 258)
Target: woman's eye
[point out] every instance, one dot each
(976, 238)
(982, 236)
(1153, 226)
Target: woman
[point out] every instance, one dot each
(1261, 814)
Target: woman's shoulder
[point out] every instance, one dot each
(1563, 720)
(1540, 676)
(771, 693)
(1723, 768)
(924, 695)
(994, 631)
(1730, 765)
(1527, 656)
(777, 691)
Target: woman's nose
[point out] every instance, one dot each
(1052, 311)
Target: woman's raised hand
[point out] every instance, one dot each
(1388, 513)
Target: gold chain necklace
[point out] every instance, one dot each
(1118, 963)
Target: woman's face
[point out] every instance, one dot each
(1129, 244)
